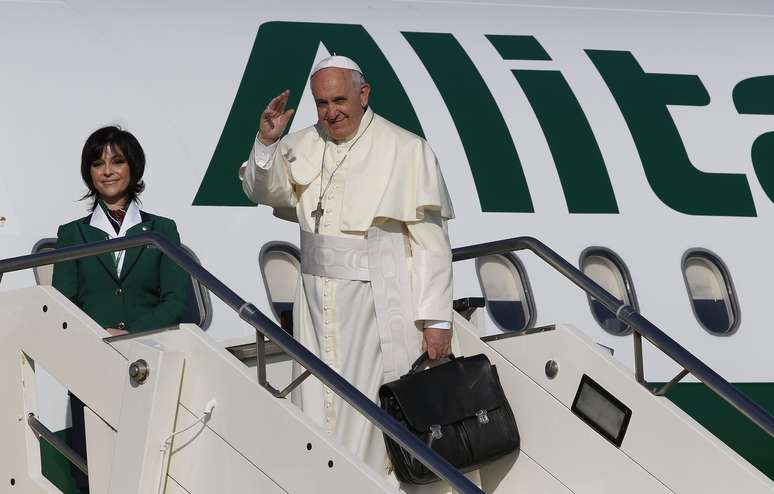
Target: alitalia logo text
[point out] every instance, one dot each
(643, 97)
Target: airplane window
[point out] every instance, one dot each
(506, 288)
(609, 271)
(280, 267)
(712, 295)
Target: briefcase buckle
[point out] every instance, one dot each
(483, 418)
(435, 433)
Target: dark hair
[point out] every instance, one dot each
(129, 146)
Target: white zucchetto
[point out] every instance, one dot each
(336, 61)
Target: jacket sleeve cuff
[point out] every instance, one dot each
(435, 324)
(260, 158)
(263, 153)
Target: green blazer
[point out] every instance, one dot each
(151, 293)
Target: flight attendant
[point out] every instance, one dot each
(129, 291)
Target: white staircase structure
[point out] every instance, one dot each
(234, 435)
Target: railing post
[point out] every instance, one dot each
(639, 370)
(260, 355)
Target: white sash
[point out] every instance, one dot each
(380, 259)
(334, 257)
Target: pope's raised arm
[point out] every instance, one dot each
(265, 178)
(264, 175)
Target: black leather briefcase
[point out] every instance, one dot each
(458, 408)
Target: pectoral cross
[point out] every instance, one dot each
(317, 215)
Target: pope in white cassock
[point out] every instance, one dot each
(376, 262)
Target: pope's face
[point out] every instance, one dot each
(340, 103)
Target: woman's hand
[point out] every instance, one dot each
(116, 332)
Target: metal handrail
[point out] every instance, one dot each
(250, 314)
(42, 432)
(624, 312)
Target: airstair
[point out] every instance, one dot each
(173, 411)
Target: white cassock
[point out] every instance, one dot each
(385, 181)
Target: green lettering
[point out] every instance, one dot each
(512, 47)
(643, 99)
(755, 96)
(576, 154)
(488, 145)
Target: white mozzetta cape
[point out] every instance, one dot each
(392, 173)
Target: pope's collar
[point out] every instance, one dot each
(367, 116)
(100, 220)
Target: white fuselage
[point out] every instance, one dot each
(170, 74)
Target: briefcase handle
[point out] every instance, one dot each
(422, 359)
